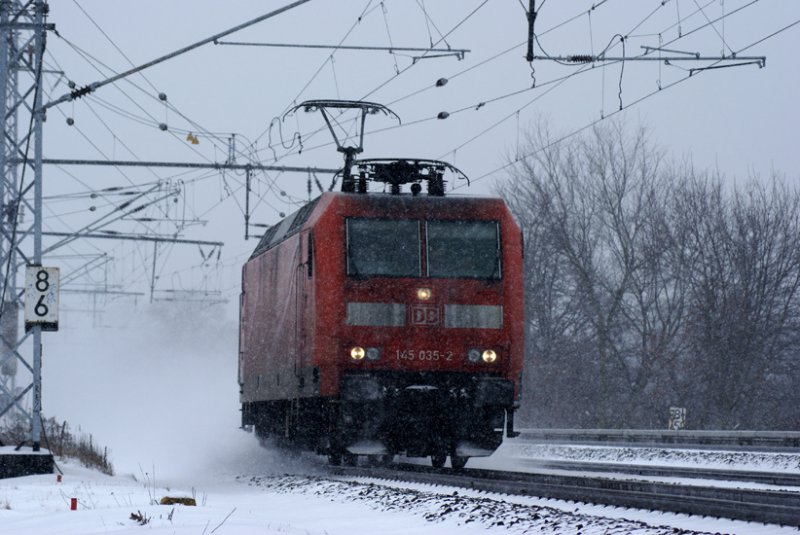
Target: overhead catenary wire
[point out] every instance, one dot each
(721, 36)
(402, 71)
(316, 73)
(629, 105)
(608, 47)
(514, 93)
(464, 71)
(155, 122)
(97, 85)
(482, 103)
(391, 48)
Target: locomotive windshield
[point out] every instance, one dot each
(463, 249)
(388, 247)
(454, 249)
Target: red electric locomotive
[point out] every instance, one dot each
(385, 323)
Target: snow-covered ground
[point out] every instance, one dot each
(253, 490)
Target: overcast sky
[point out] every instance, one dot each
(740, 120)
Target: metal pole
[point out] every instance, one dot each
(531, 36)
(5, 37)
(36, 431)
(153, 277)
(6, 327)
(247, 206)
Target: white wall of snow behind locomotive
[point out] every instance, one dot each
(156, 385)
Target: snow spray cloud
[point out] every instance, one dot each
(158, 387)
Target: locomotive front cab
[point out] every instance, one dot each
(426, 343)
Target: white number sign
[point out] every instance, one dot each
(41, 297)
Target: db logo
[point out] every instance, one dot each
(424, 315)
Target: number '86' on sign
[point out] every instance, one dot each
(41, 297)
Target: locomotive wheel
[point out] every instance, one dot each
(438, 460)
(458, 462)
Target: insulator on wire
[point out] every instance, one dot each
(81, 92)
(580, 58)
(441, 82)
(443, 115)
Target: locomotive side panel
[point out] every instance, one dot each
(271, 316)
(514, 287)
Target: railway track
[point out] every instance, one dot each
(755, 505)
(765, 478)
(769, 441)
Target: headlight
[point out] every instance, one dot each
(489, 356)
(357, 353)
(474, 355)
(424, 294)
(373, 353)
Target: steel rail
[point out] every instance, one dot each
(748, 440)
(753, 505)
(749, 476)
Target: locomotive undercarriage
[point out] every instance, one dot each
(380, 414)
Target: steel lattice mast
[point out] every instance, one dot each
(22, 41)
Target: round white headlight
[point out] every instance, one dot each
(357, 353)
(489, 356)
(474, 355)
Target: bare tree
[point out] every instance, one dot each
(602, 297)
(743, 316)
(650, 285)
